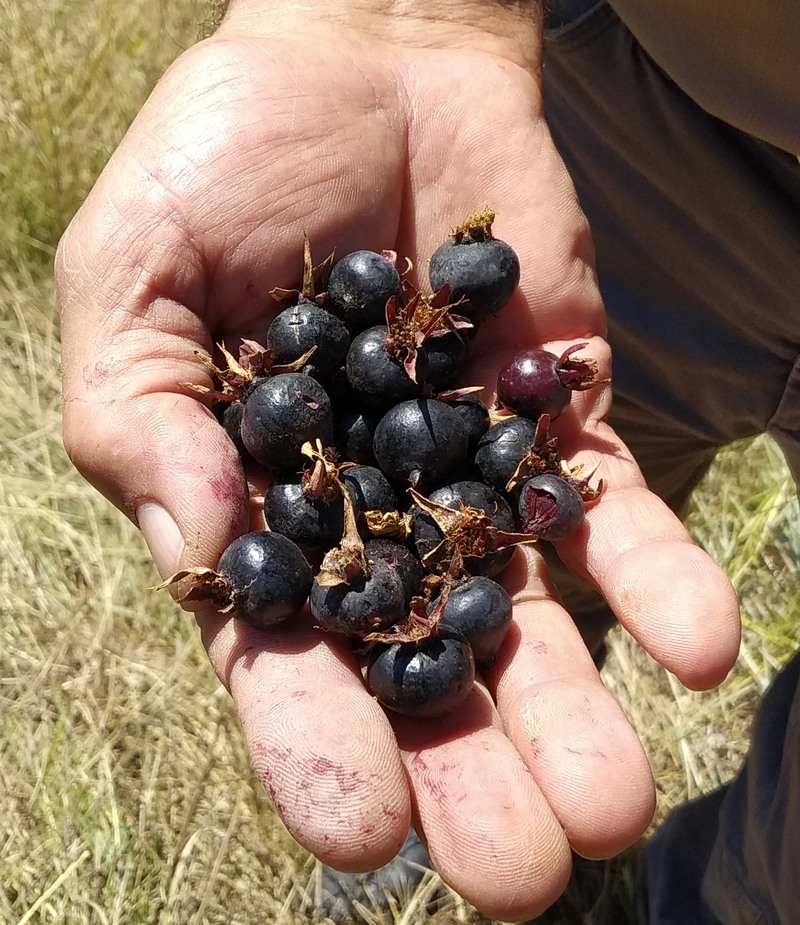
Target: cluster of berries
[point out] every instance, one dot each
(396, 497)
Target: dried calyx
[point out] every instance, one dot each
(422, 317)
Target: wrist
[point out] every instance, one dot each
(510, 28)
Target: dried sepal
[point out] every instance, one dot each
(347, 562)
(388, 524)
(478, 227)
(578, 375)
(543, 456)
(580, 480)
(254, 362)
(411, 324)
(206, 585)
(315, 279)
(422, 621)
(457, 394)
(320, 480)
(467, 533)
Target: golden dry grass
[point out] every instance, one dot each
(125, 791)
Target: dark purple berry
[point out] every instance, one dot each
(458, 496)
(477, 267)
(315, 524)
(446, 356)
(473, 413)
(370, 490)
(378, 378)
(538, 382)
(267, 576)
(481, 610)
(550, 507)
(502, 448)
(420, 442)
(425, 679)
(360, 285)
(363, 605)
(401, 560)
(305, 325)
(231, 419)
(353, 432)
(281, 414)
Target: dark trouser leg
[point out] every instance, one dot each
(697, 229)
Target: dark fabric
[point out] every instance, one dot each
(697, 230)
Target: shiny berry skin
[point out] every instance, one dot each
(530, 385)
(377, 378)
(424, 679)
(361, 606)
(502, 448)
(360, 285)
(353, 432)
(485, 271)
(481, 610)
(315, 525)
(268, 575)
(281, 414)
(420, 442)
(550, 507)
(369, 490)
(474, 416)
(305, 325)
(446, 356)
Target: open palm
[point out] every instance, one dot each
(245, 146)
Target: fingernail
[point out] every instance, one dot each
(162, 536)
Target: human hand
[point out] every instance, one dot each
(379, 133)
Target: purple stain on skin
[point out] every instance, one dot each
(347, 781)
(95, 375)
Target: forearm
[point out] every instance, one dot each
(511, 28)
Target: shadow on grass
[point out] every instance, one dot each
(599, 893)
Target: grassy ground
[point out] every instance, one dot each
(125, 792)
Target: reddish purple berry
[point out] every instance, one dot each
(550, 507)
(537, 382)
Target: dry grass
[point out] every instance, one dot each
(126, 795)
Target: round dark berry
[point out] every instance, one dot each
(446, 356)
(474, 416)
(281, 414)
(420, 442)
(529, 385)
(502, 448)
(268, 575)
(400, 559)
(482, 270)
(369, 489)
(378, 378)
(481, 610)
(364, 605)
(425, 679)
(538, 382)
(313, 523)
(360, 285)
(550, 507)
(353, 432)
(305, 325)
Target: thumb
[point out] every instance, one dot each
(133, 429)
